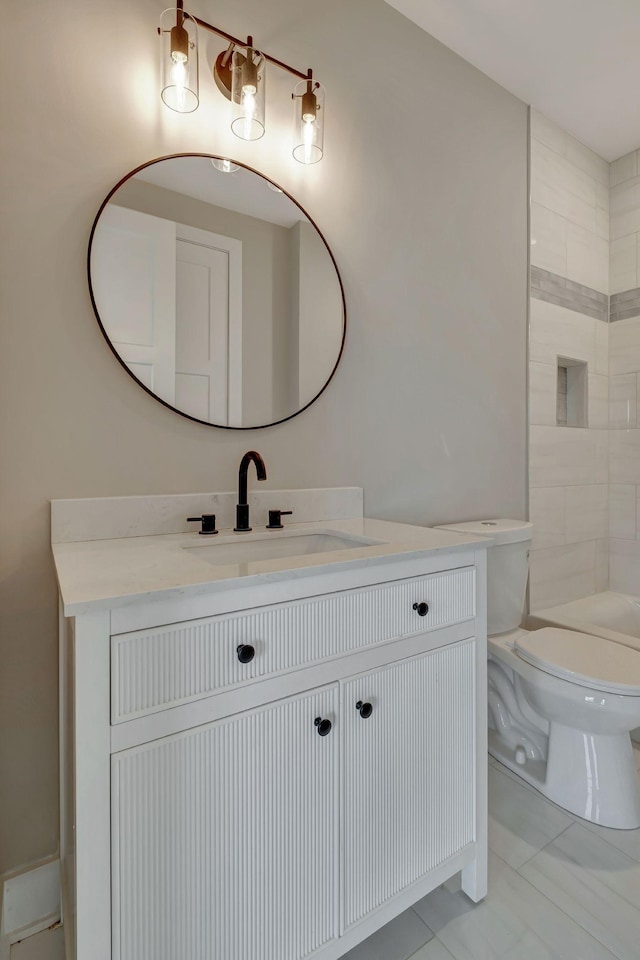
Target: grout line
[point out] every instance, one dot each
(548, 844)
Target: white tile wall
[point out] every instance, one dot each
(586, 512)
(624, 347)
(622, 401)
(559, 185)
(587, 161)
(623, 169)
(625, 208)
(624, 465)
(623, 264)
(543, 379)
(563, 456)
(561, 574)
(547, 132)
(548, 240)
(569, 467)
(587, 258)
(556, 331)
(602, 347)
(598, 396)
(546, 512)
(624, 566)
(622, 511)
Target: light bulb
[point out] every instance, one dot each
(249, 107)
(178, 79)
(308, 133)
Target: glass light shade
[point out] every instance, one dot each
(224, 166)
(247, 94)
(179, 60)
(308, 121)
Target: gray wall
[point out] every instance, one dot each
(422, 197)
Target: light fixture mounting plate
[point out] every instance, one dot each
(222, 73)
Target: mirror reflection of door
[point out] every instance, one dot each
(170, 299)
(216, 292)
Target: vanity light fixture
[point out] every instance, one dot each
(239, 73)
(179, 64)
(308, 120)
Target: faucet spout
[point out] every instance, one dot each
(242, 508)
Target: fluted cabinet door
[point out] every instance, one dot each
(407, 773)
(225, 838)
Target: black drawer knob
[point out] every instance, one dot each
(245, 652)
(322, 726)
(422, 609)
(365, 709)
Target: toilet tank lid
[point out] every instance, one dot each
(500, 531)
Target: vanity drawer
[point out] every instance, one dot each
(162, 667)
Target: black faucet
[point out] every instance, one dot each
(242, 509)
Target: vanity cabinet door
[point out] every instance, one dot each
(407, 773)
(225, 838)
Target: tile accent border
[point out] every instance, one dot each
(625, 305)
(553, 288)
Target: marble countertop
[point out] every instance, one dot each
(104, 574)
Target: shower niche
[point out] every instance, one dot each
(572, 397)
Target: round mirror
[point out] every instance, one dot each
(216, 291)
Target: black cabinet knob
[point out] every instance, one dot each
(322, 726)
(245, 652)
(365, 709)
(422, 609)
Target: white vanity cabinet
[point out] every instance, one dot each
(287, 806)
(224, 837)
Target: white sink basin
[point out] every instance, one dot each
(244, 548)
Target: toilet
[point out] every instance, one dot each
(561, 703)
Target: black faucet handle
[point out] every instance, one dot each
(275, 518)
(208, 521)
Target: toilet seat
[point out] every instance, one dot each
(583, 659)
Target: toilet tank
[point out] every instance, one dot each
(507, 568)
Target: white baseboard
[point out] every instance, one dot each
(30, 903)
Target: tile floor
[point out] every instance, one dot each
(559, 889)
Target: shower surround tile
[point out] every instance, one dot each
(623, 401)
(623, 169)
(625, 208)
(571, 294)
(624, 347)
(624, 566)
(624, 459)
(559, 185)
(623, 264)
(587, 259)
(561, 574)
(565, 456)
(622, 511)
(624, 305)
(548, 240)
(546, 512)
(586, 513)
(557, 331)
(543, 379)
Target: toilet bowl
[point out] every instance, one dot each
(561, 704)
(561, 708)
